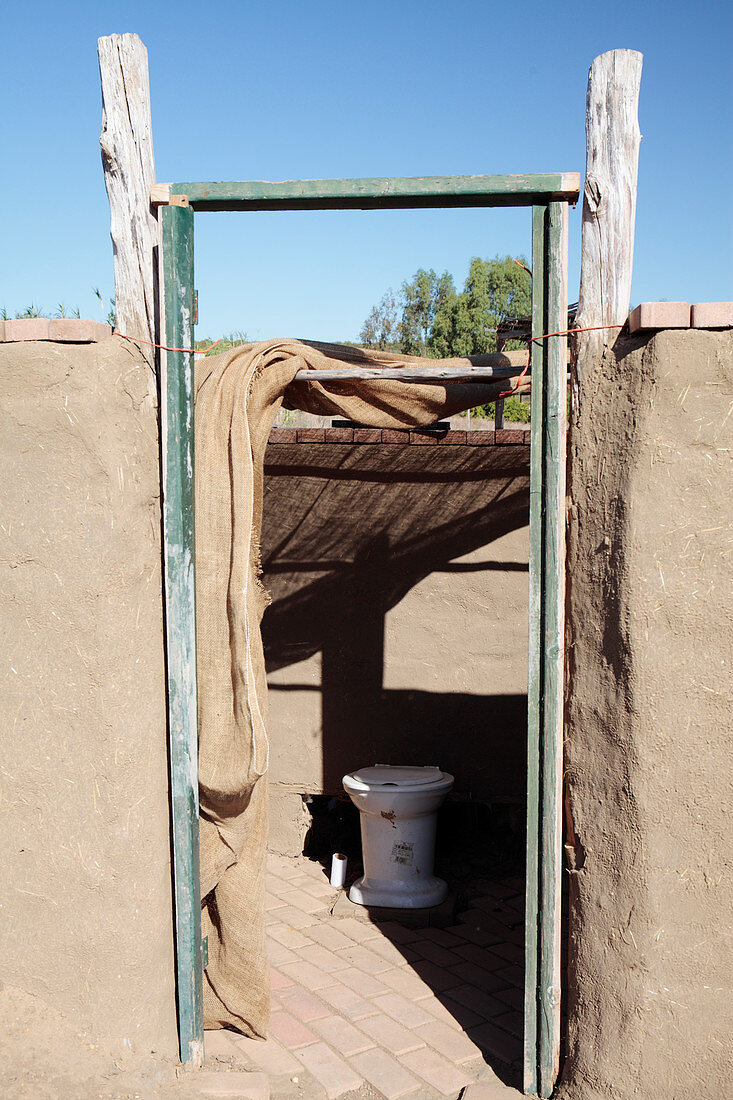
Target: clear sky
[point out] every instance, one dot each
(335, 88)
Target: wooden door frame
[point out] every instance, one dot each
(549, 195)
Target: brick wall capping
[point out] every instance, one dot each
(712, 315)
(659, 315)
(62, 330)
(394, 436)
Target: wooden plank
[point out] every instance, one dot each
(381, 193)
(534, 689)
(177, 427)
(554, 426)
(609, 197)
(129, 173)
(436, 375)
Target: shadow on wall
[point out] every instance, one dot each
(348, 531)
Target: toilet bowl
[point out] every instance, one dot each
(398, 808)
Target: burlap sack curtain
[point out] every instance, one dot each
(237, 397)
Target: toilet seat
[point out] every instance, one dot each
(385, 777)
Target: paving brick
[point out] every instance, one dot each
(385, 1074)
(416, 436)
(282, 435)
(303, 901)
(26, 328)
(236, 1086)
(509, 436)
(438, 1072)
(270, 1056)
(279, 955)
(302, 1004)
(395, 435)
(389, 951)
(367, 435)
(330, 1070)
(512, 975)
(278, 981)
(476, 975)
(272, 901)
(659, 315)
(512, 996)
(308, 975)
(440, 936)
(460, 1015)
(712, 315)
(363, 984)
(433, 952)
(490, 1090)
(485, 1004)
(495, 1042)
(453, 1044)
(397, 933)
(221, 1043)
(483, 937)
(453, 436)
(342, 1035)
(527, 436)
(356, 930)
(276, 884)
(339, 435)
(77, 330)
(409, 1013)
(327, 960)
(480, 438)
(510, 1021)
(320, 889)
(392, 1036)
(436, 977)
(311, 435)
(294, 918)
(403, 980)
(329, 937)
(288, 937)
(347, 1002)
(289, 1031)
(512, 952)
(360, 956)
(480, 956)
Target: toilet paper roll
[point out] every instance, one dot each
(338, 869)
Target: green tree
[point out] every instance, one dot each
(380, 330)
(422, 297)
(494, 291)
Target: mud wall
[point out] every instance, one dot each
(648, 721)
(85, 932)
(398, 628)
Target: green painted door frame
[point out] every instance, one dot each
(549, 196)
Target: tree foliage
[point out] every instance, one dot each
(380, 330)
(437, 321)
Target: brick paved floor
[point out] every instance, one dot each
(382, 1010)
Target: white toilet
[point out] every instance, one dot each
(398, 808)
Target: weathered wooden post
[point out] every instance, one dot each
(609, 197)
(129, 174)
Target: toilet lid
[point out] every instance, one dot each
(388, 775)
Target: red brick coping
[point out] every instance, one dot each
(476, 438)
(61, 330)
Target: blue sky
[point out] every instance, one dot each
(294, 90)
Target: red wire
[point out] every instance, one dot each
(164, 347)
(546, 336)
